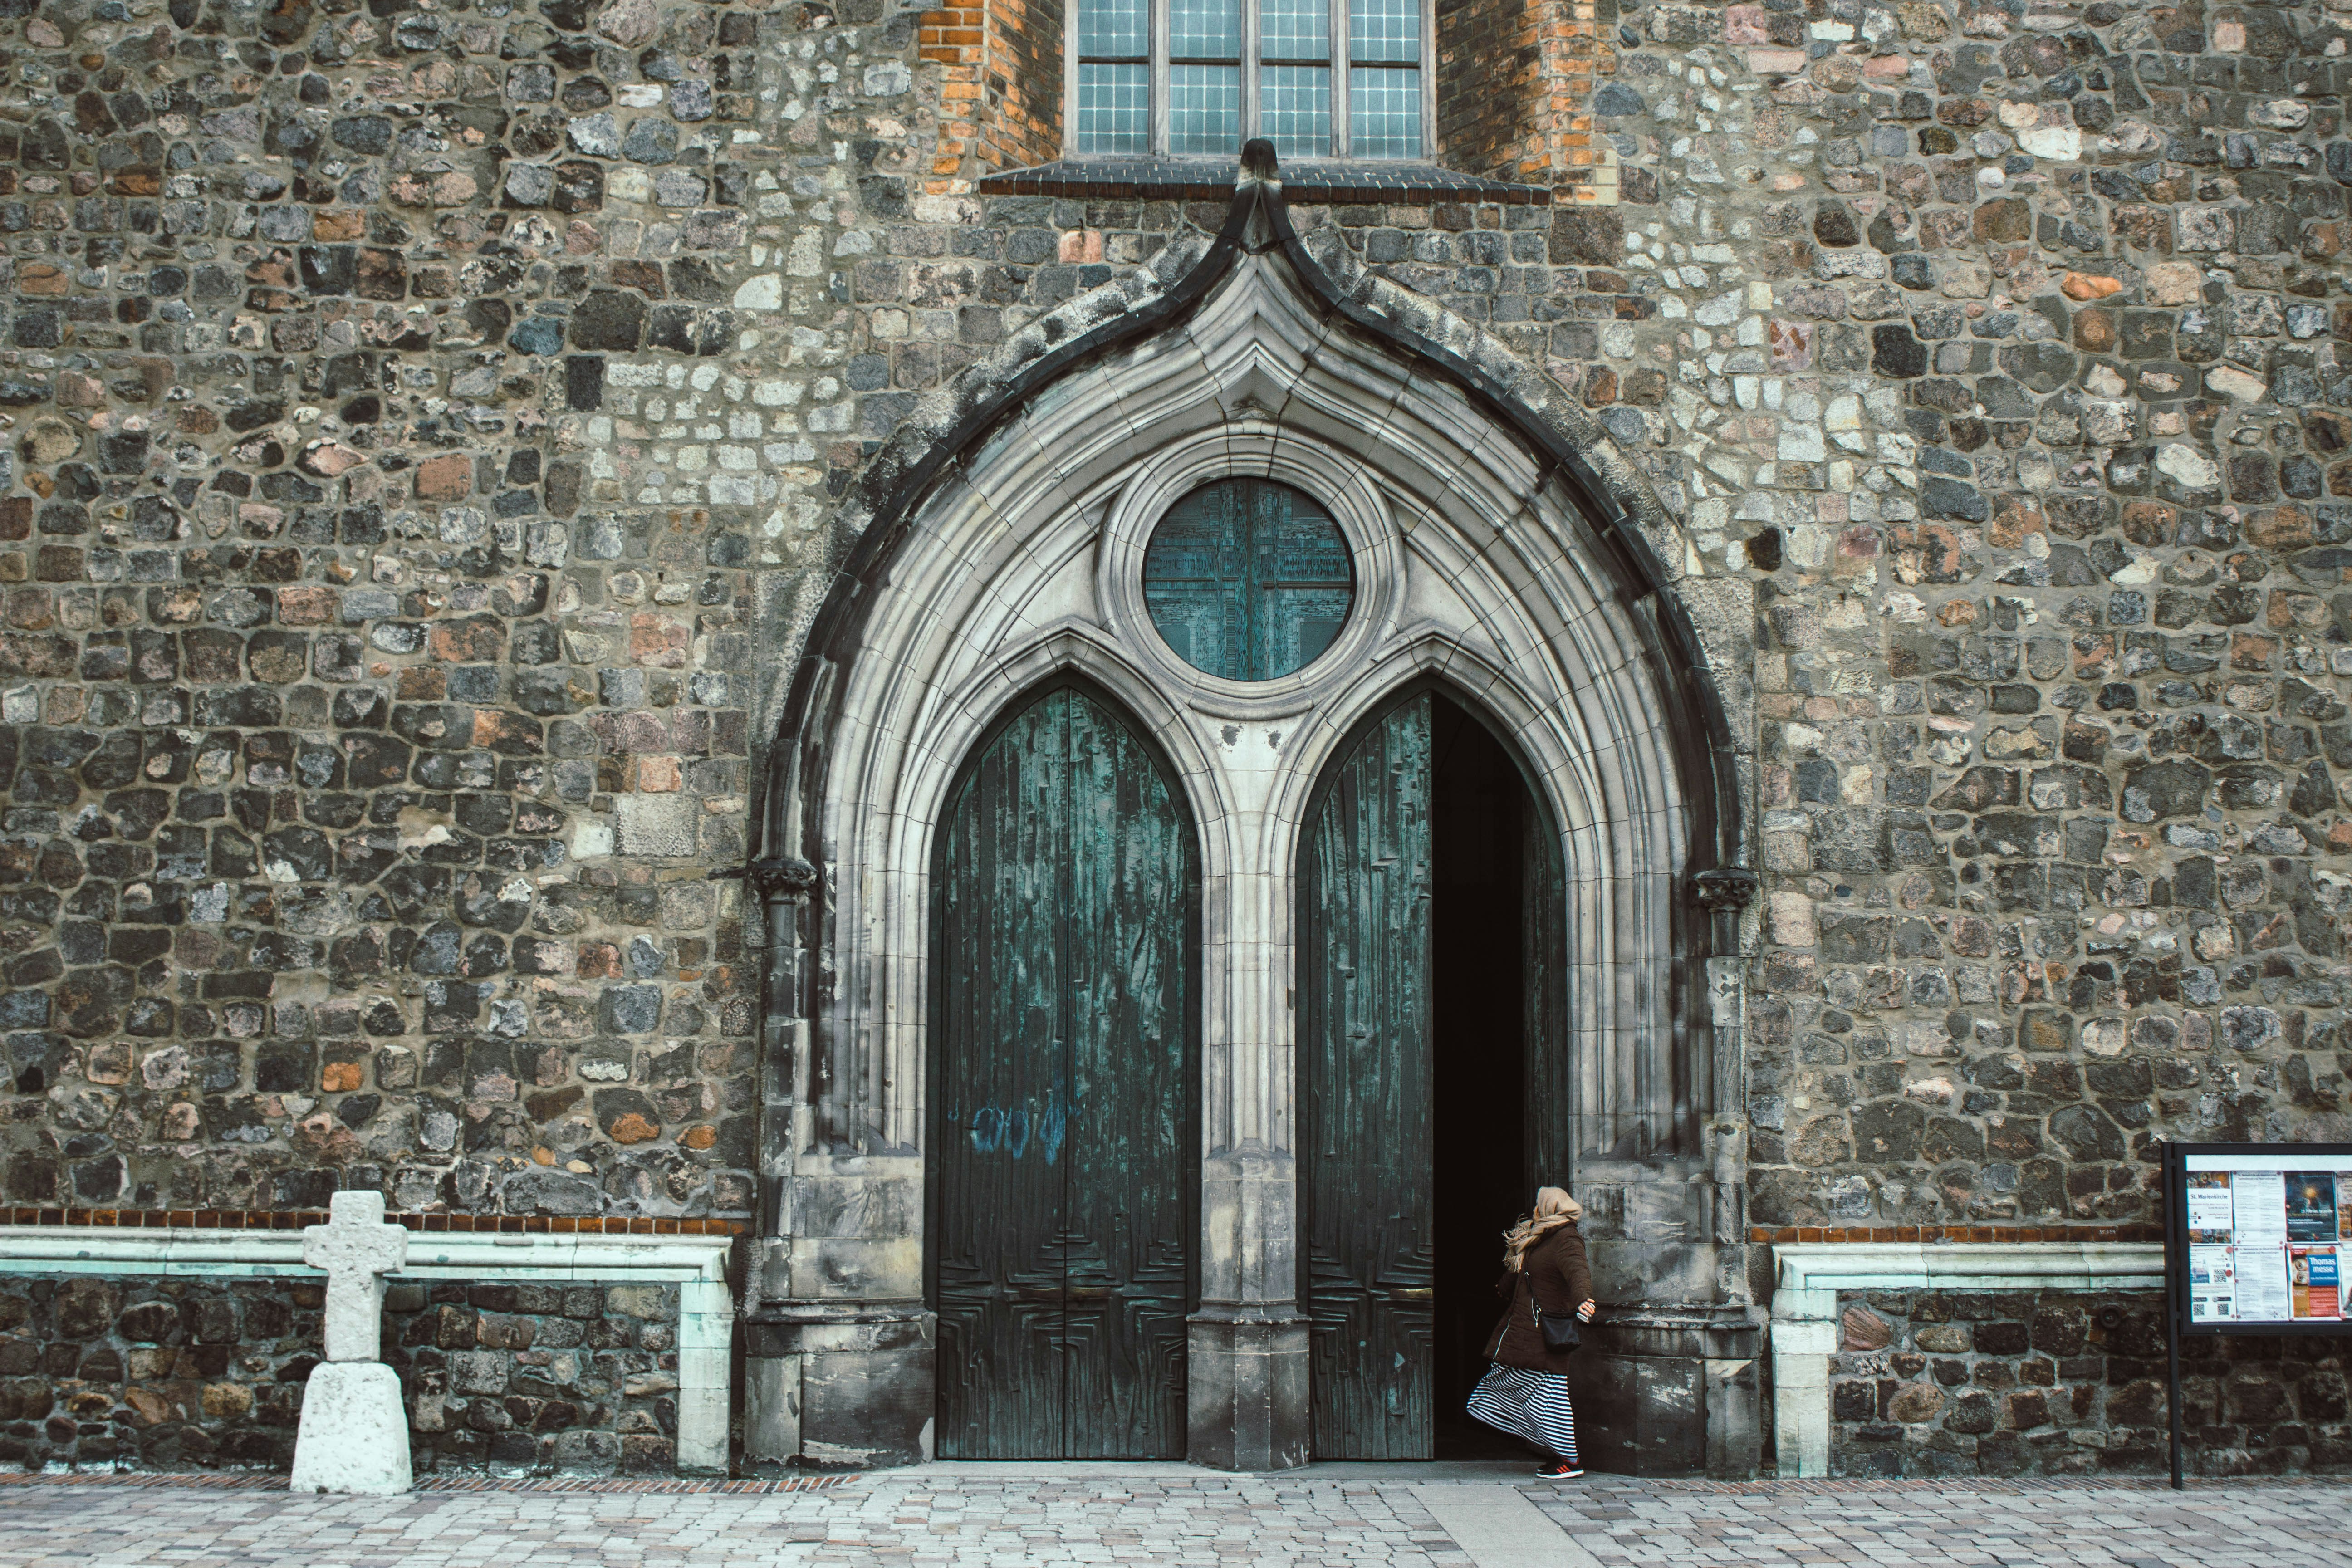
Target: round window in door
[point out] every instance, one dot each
(1248, 579)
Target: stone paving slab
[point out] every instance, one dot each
(1957, 1523)
(970, 1516)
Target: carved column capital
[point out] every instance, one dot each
(1725, 887)
(782, 876)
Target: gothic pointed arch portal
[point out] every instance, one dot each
(1002, 548)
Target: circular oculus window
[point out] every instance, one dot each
(1248, 579)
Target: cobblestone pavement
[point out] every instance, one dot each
(970, 1516)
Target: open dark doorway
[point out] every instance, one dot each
(1481, 820)
(1431, 1078)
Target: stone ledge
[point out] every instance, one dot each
(1958, 1235)
(1807, 1272)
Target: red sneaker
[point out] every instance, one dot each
(1559, 1470)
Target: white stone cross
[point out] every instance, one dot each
(357, 1249)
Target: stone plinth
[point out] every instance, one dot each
(355, 1432)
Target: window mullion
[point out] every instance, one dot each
(1342, 46)
(1070, 36)
(1428, 58)
(1429, 78)
(1161, 22)
(1250, 35)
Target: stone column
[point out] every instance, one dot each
(837, 1341)
(1804, 1342)
(1246, 1354)
(1671, 1379)
(355, 1432)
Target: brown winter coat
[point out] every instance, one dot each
(1562, 1282)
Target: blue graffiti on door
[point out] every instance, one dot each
(1013, 1130)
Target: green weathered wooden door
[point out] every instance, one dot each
(1364, 1051)
(1063, 1179)
(1550, 1133)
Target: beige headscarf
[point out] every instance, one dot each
(1554, 1208)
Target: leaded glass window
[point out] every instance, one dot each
(1115, 74)
(1320, 78)
(1248, 579)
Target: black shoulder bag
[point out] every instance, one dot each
(1559, 1329)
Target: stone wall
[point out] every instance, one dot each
(2053, 1383)
(568, 1376)
(2052, 659)
(183, 1373)
(155, 1374)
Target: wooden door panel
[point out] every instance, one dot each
(1550, 1133)
(1130, 1206)
(1004, 1065)
(1364, 965)
(1062, 1178)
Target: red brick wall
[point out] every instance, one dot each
(1021, 83)
(1001, 105)
(1514, 79)
(1488, 60)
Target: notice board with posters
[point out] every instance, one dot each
(2259, 1237)
(2257, 1241)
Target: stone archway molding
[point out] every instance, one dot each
(1571, 449)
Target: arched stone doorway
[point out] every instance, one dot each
(1006, 549)
(1062, 1212)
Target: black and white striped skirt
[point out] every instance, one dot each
(1527, 1404)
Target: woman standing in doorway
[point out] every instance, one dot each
(1525, 1391)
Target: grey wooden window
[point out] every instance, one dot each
(1248, 579)
(1320, 79)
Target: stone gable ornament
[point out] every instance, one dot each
(355, 1432)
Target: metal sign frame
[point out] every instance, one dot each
(2176, 1323)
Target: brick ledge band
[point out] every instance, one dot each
(295, 1219)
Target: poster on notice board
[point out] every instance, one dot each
(2266, 1235)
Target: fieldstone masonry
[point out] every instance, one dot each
(2052, 1382)
(175, 1374)
(427, 426)
(540, 1377)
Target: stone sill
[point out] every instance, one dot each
(1212, 179)
(1808, 1272)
